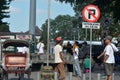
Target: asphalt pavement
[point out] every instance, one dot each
(35, 76)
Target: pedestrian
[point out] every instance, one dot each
(109, 59)
(59, 61)
(40, 47)
(87, 63)
(76, 65)
(69, 48)
(85, 49)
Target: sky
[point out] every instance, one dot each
(19, 13)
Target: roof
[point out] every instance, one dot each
(15, 43)
(37, 31)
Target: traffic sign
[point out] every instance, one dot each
(88, 25)
(91, 13)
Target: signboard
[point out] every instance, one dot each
(91, 13)
(88, 25)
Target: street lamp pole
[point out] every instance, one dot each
(32, 21)
(48, 34)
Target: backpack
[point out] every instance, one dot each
(83, 51)
(80, 54)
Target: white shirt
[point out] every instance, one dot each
(57, 50)
(40, 47)
(22, 49)
(76, 53)
(109, 50)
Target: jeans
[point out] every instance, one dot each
(76, 68)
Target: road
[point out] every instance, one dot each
(36, 69)
(34, 76)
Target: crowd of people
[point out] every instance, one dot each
(81, 51)
(72, 50)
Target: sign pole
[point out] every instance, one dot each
(91, 14)
(90, 52)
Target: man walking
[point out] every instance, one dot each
(109, 58)
(59, 68)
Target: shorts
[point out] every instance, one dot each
(87, 70)
(109, 67)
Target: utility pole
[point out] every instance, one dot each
(32, 23)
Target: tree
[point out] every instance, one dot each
(109, 10)
(4, 28)
(108, 7)
(4, 13)
(60, 26)
(44, 32)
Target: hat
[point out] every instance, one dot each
(59, 39)
(108, 38)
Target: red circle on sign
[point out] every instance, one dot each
(96, 18)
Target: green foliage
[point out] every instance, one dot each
(61, 26)
(114, 29)
(109, 10)
(4, 28)
(116, 9)
(44, 32)
(107, 7)
(4, 13)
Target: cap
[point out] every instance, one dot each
(108, 38)
(59, 39)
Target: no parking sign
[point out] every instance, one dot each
(91, 13)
